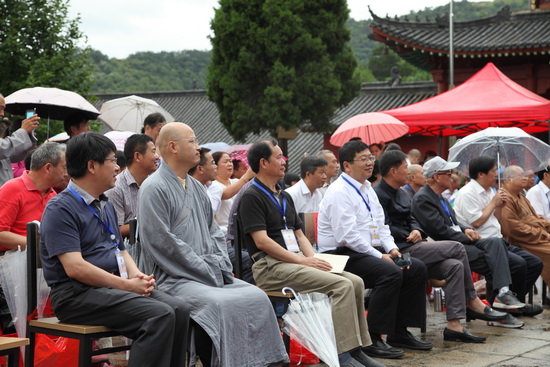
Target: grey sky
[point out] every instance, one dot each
(122, 27)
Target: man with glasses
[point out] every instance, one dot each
(521, 225)
(478, 205)
(487, 256)
(352, 223)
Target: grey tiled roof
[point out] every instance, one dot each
(195, 109)
(505, 32)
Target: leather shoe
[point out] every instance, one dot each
(488, 314)
(409, 342)
(465, 336)
(380, 349)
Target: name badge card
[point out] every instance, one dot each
(121, 264)
(374, 236)
(456, 228)
(290, 240)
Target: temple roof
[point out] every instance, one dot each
(505, 34)
(195, 109)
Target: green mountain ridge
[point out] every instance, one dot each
(187, 69)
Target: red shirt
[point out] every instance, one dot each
(21, 202)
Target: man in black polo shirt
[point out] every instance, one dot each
(93, 278)
(283, 256)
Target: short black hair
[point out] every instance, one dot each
(202, 162)
(85, 147)
(135, 143)
(376, 145)
(390, 147)
(152, 120)
(291, 177)
(391, 159)
(218, 155)
(74, 119)
(348, 151)
(258, 150)
(310, 163)
(120, 160)
(541, 173)
(481, 164)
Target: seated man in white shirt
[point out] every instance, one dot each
(479, 206)
(306, 196)
(539, 195)
(351, 222)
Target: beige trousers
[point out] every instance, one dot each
(346, 290)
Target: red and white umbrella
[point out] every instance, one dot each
(372, 127)
(119, 138)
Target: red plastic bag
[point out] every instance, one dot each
(55, 351)
(299, 354)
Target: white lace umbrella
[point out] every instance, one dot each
(308, 320)
(128, 113)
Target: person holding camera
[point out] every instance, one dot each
(15, 147)
(445, 260)
(351, 222)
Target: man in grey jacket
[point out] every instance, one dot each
(15, 148)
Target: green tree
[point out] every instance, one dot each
(38, 47)
(280, 63)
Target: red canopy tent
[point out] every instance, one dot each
(488, 99)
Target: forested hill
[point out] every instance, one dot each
(187, 69)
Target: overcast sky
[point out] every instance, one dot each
(119, 28)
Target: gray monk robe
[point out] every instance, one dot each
(185, 249)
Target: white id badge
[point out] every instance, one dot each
(456, 228)
(290, 240)
(121, 264)
(374, 236)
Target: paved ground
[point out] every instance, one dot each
(528, 346)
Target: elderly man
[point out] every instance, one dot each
(185, 249)
(415, 180)
(283, 256)
(92, 277)
(477, 205)
(352, 223)
(487, 256)
(521, 225)
(444, 259)
(15, 147)
(332, 168)
(305, 193)
(141, 158)
(539, 195)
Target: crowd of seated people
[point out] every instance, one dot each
(399, 223)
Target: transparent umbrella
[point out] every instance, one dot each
(308, 320)
(508, 145)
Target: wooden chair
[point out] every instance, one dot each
(10, 347)
(274, 297)
(85, 334)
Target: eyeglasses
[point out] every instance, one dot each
(371, 158)
(446, 173)
(192, 140)
(111, 159)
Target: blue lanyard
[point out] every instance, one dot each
(446, 208)
(106, 226)
(359, 192)
(281, 210)
(410, 188)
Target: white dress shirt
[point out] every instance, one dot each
(470, 202)
(345, 220)
(305, 201)
(539, 197)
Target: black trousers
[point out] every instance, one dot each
(525, 269)
(158, 324)
(489, 257)
(398, 298)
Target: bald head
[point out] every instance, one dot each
(172, 132)
(414, 169)
(179, 147)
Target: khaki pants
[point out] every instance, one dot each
(346, 290)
